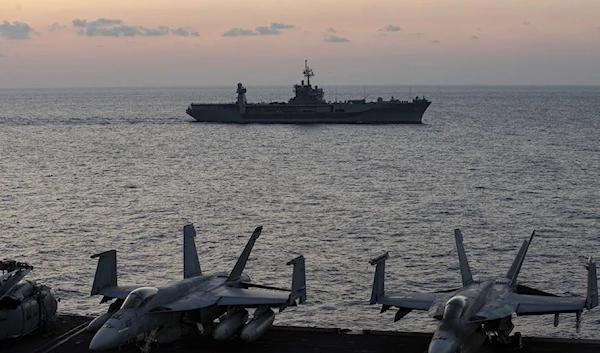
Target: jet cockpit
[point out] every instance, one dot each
(455, 307)
(139, 297)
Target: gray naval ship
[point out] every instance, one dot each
(308, 107)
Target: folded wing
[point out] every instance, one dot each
(120, 292)
(248, 297)
(227, 296)
(415, 301)
(540, 305)
(193, 301)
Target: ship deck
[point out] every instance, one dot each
(69, 335)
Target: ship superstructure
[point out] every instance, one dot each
(309, 107)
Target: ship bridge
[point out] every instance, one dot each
(306, 94)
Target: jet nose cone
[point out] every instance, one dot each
(444, 340)
(105, 338)
(440, 347)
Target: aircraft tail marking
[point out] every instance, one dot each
(191, 264)
(241, 262)
(465, 270)
(298, 281)
(515, 268)
(378, 290)
(591, 300)
(106, 271)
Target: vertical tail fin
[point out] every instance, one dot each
(298, 280)
(106, 271)
(241, 262)
(591, 300)
(191, 264)
(465, 270)
(515, 268)
(378, 290)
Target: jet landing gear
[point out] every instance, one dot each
(512, 343)
(149, 341)
(517, 341)
(506, 343)
(499, 335)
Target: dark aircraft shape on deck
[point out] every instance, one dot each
(24, 305)
(166, 313)
(482, 309)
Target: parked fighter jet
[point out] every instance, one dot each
(24, 305)
(484, 308)
(167, 313)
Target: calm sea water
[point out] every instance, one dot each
(87, 170)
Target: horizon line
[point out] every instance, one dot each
(282, 85)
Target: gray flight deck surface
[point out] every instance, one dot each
(69, 335)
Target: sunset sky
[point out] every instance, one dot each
(76, 43)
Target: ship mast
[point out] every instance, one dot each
(308, 72)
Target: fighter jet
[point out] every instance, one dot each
(166, 313)
(482, 309)
(24, 305)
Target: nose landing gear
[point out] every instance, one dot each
(506, 343)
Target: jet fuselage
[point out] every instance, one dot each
(140, 312)
(455, 329)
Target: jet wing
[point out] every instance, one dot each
(252, 297)
(523, 304)
(540, 305)
(227, 296)
(120, 292)
(193, 301)
(493, 310)
(416, 301)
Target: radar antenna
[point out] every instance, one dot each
(308, 72)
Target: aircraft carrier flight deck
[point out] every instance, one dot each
(68, 335)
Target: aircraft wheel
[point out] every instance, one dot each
(493, 340)
(517, 341)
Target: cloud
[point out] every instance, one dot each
(79, 23)
(238, 32)
(108, 27)
(185, 32)
(267, 31)
(526, 23)
(332, 37)
(435, 41)
(16, 30)
(277, 25)
(390, 28)
(55, 27)
(274, 29)
(2, 55)
(474, 37)
(336, 39)
(417, 34)
(157, 32)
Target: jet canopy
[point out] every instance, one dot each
(455, 307)
(138, 297)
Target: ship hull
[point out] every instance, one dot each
(336, 113)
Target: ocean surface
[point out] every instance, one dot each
(88, 170)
